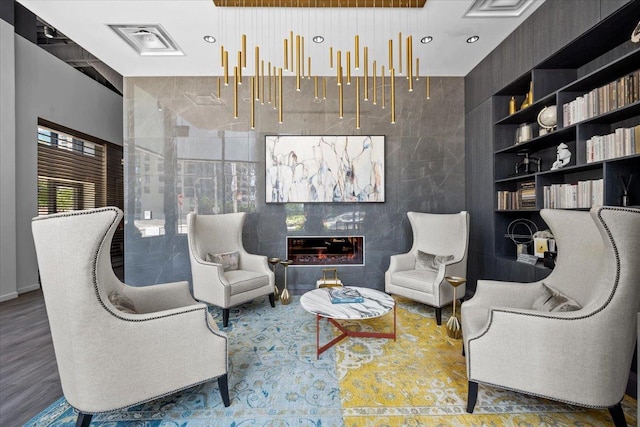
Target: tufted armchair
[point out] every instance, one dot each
(581, 356)
(224, 274)
(116, 345)
(440, 244)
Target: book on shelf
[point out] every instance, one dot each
(601, 100)
(523, 198)
(622, 142)
(344, 295)
(582, 194)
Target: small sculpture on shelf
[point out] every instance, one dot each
(524, 167)
(563, 157)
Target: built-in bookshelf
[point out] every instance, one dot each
(598, 122)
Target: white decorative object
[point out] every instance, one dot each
(547, 119)
(563, 158)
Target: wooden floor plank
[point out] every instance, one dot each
(29, 380)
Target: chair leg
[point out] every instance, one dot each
(272, 300)
(618, 416)
(83, 419)
(225, 317)
(223, 385)
(472, 396)
(438, 316)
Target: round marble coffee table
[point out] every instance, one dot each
(375, 304)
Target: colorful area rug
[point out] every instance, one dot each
(276, 380)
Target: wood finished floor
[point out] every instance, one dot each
(29, 380)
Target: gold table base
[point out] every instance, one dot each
(454, 328)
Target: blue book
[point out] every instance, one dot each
(343, 295)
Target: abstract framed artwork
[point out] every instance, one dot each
(308, 169)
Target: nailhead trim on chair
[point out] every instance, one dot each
(95, 288)
(607, 302)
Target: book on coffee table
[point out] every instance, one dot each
(343, 295)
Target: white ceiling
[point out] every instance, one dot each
(187, 21)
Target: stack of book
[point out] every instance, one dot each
(622, 142)
(582, 194)
(601, 100)
(345, 295)
(523, 198)
(527, 195)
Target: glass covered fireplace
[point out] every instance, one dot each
(325, 250)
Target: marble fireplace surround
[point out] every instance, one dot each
(172, 141)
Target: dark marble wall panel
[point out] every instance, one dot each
(181, 139)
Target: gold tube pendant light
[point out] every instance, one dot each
(219, 88)
(275, 102)
(315, 86)
(226, 68)
(253, 103)
(280, 96)
(417, 68)
(286, 54)
(291, 52)
(390, 54)
(357, 51)
(339, 68)
(384, 90)
(239, 67)
(324, 88)
(269, 68)
(348, 67)
(340, 102)
(235, 92)
(357, 102)
(366, 73)
(400, 53)
(298, 63)
(262, 99)
(331, 57)
(410, 63)
(244, 51)
(221, 56)
(375, 83)
(308, 68)
(393, 96)
(302, 56)
(428, 86)
(256, 80)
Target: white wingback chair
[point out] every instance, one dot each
(110, 354)
(210, 235)
(582, 357)
(444, 235)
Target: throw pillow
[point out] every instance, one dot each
(426, 261)
(122, 302)
(229, 260)
(554, 300)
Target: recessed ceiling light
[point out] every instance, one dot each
(473, 39)
(426, 39)
(318, 39)
(209, 39)
(148, 39)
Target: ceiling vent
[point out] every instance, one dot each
(148, 40)
(498, 8)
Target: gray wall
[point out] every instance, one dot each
(424, 167)
(552, 26)
(45, 87)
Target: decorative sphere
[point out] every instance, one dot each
(547, 118)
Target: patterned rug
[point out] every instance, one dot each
(276, 380)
